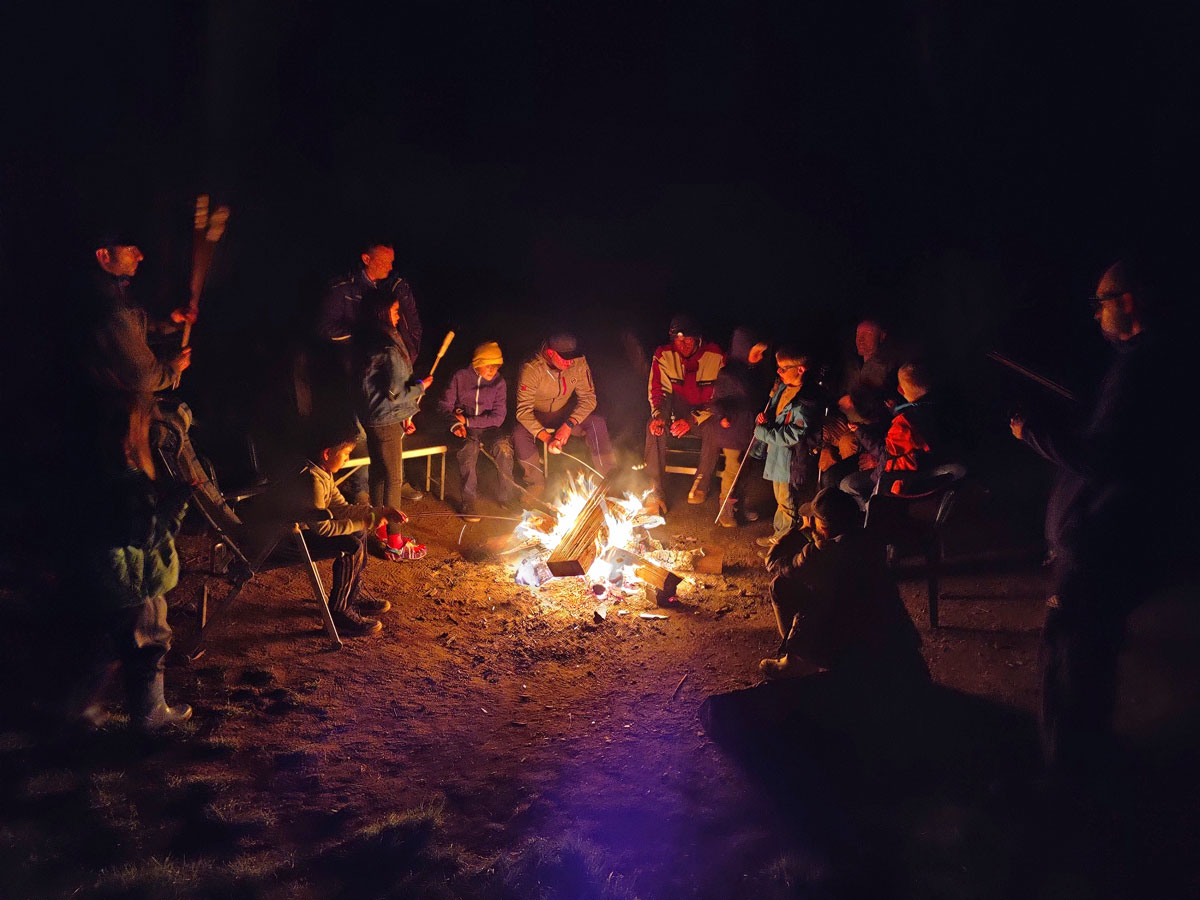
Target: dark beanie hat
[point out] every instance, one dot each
(838, 509)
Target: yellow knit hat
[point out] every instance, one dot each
(487, 355)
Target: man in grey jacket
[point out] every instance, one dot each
(555, 400)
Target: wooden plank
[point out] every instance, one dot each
(578, 548)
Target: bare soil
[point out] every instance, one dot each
(502, 741)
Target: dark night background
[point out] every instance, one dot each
(966, 170)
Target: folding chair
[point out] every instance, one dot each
(231, 535)
(917, 519)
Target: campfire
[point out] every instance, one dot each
(600, 535)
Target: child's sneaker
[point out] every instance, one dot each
(400, 548)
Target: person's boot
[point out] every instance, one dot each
(469, 513)
(697, 494)
(408, 492)
(149, 710)
(728, 516)
(350, 624)
(399, 548)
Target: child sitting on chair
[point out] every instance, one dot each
(477, 397)
(912, 445)
(336, 530)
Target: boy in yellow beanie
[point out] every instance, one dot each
(477, 397)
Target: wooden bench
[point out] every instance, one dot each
(428, 452)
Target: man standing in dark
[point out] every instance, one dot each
(125, 559)
(340, 314)
(342, 305)
(1108, 555)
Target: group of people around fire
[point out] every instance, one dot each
(880, 432)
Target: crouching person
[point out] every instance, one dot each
(836, 606)
(477, 397)
(336, 529)
(128, 565)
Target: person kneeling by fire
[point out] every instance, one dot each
(336, 529)
(836, 606)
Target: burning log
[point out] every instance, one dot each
(577, 550)
(664, 581)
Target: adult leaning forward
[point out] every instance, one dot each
(556, 400)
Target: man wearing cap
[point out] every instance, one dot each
(683, 375)
(555, 400)
(477, 398)
(122, 359)
(836, 606)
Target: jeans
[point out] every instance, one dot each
(500, 447)
(385, 445)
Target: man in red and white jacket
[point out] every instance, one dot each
(683, 374)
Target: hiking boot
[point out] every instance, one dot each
(408, 492)
(468, 513)
(769, 541)
(779, 668)
(697, 494)
(728, 515)
(350, 624)
(371, 605)
(750, 515)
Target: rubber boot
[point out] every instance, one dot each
(148, 707)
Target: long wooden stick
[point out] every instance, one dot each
(207, 231)
(1031, 375)
(442, 352)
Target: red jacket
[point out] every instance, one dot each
(693, 378)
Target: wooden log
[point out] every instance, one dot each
(578, 548)
(664, 581)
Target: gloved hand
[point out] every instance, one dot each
(680, 427)
(657, 426)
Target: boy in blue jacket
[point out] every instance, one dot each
(784, 429)
(477, 397)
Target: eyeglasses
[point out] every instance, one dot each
(1098, 299)
(789, 368)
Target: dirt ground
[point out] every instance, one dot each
(502, 741)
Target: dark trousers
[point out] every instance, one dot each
(134, 639)
(385, 445)
(497, 443)
(593, 430)
(349, 555)
(710, 447)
